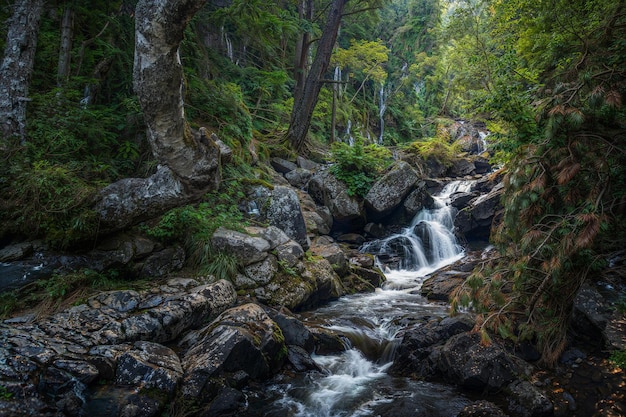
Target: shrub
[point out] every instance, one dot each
(358, 166)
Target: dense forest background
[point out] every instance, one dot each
(546, 77)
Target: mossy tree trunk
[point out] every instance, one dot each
(189, 165)
(16, 68)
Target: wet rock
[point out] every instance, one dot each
(417, 199)
(16, 252)
(328, 191)
(481, 409)
(460, 199)
(389, 191)
(294, 331)
(461, 168)
(351, 238)
(262, 272)
(333, 253)
(463, 360)
(327, 342)
(243, 338)
(300, 359)
(247, 249)
(149, 365)
(226, 403)
(419, 342)
(441, 285)
(307, 164)
(373, 276)
(375, 230)
(284, 212)
(282, 165)
(476, 219)
(299, 177)
(164, 262)
(526, 400)
(289, 253)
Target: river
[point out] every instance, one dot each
(355, 382)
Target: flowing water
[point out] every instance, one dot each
(355, 383)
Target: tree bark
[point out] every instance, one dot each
(189, 166)
(17, 67)
(65, 49)
(305, 11)
(303, 106)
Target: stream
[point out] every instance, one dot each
(355, 383)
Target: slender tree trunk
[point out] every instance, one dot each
(65, 49)
(305, 9)
(17, 67)
(305, 104)
(189, 166)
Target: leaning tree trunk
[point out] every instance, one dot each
(305, 104)
(16, 68)
(189, 167)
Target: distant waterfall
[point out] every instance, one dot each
(381, 112)
(429, 241)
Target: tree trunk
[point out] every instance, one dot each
(17, 67)
(189, 167)
(65, 49)
(303, 106)
(305, 11)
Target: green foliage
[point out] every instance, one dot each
(48, 200)
(5, 394)
(618, 357)
(61, 290)
(360, 165)
(194, 225)
(438, 147)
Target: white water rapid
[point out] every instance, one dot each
(355, 383)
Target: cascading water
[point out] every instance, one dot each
(355, 383)
(428, 242)
(381, 112)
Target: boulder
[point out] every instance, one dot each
(285, 213)
(389, 191)
(328, 191)
(243, 338)
(149, 365)
(294, 331)
(272, 234)
(289, 253)
(282, 165)
(262, 272)
(463, 360)
(15, 252)
(440, 286)
(307, 164)
(247, 249)
(460, 168)
(334, 255)
(315, 224)
(226, 153)
(460, 199)
(476, 220)
(418, 342)
(417, 199)
(299, 177)
(526, 400)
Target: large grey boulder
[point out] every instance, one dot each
(247, 249)
(477, 218)
(243, 338)
(149, 365)
(284, 212)
(327, 190)
(389, 191)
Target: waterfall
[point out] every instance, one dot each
(482, 142)
(429, 241)
(349, 133)
(381, 113)
(354, 383)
